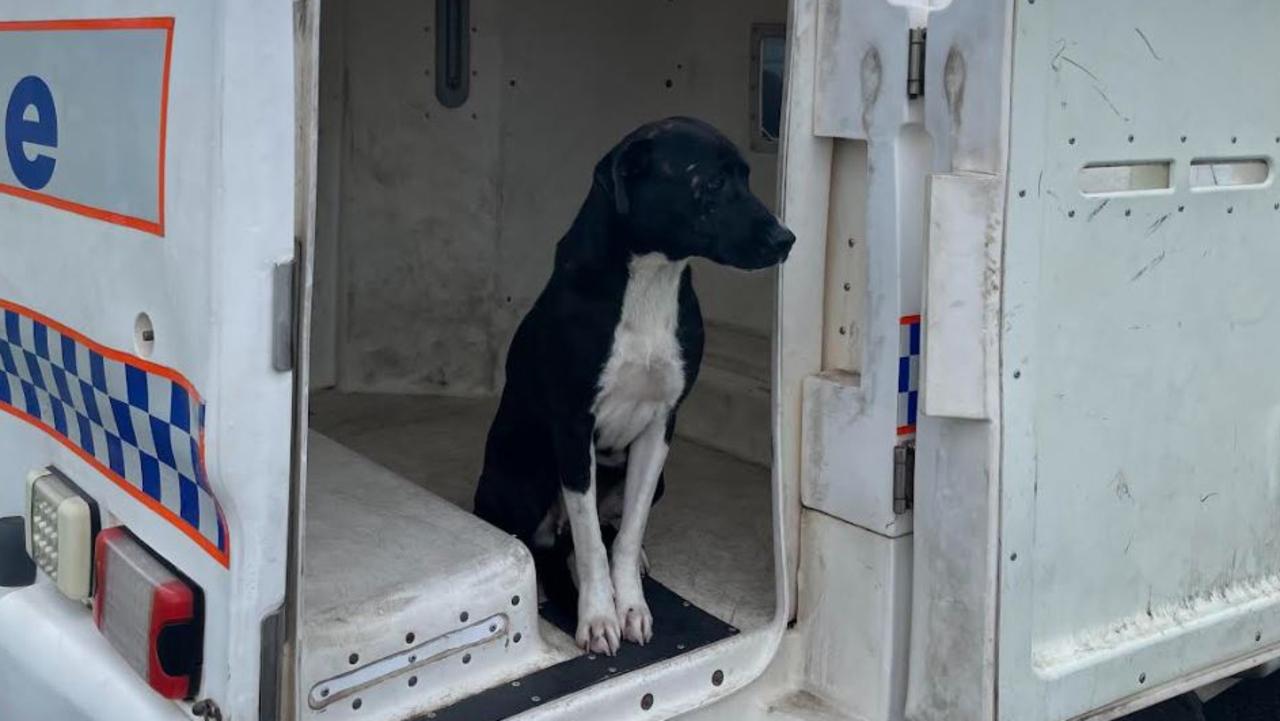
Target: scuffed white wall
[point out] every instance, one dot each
(420, 206)
(448, 219)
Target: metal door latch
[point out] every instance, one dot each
(904, 477)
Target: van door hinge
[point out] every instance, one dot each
(915, 62)
(904, 477)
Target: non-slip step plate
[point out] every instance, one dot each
(679, 627)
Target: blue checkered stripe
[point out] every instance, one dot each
(908, 374)
(142, 427)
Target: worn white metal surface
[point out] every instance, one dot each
(203, 278)
(844, 313)
(804, 181)
(860, 94)
(54, 664)
(962, 292)
(1141, 405)
(953, 608)
(857, 618)
(391, 568)
(861, 80)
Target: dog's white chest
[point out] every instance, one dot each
(644, 375)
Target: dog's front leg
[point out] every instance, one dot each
(644, 466)
(597, 621)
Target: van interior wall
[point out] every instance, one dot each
(448, 218)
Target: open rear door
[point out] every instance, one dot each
(1141, 403)
(1100, 469)
(146, 199)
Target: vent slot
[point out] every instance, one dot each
(453, 52)
(1229, 173)
(1122, 178)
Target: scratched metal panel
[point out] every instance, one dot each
(1140, 539)
(966, 83)
(860, 87)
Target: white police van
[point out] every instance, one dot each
(1000, 442)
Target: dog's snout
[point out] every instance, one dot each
(781, 239)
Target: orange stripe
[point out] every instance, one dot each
(93, 24)
(909, 320)
(85, 210)
(222, 557)
(902, 430)
(164, 115)
(147, 226)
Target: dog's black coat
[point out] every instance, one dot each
(676, 187)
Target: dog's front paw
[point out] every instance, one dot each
(636, 622)
(598, 630)
(633, 612)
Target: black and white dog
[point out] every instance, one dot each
(601, 363)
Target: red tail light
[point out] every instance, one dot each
(149, 614)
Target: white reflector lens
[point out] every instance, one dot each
(61, 524)
(148, 613)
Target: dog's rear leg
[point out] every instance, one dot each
(598, 630)
(647, 455)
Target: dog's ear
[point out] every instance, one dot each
(628, 161)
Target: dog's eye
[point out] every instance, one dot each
(716, 183)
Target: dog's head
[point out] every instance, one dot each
(680, 188)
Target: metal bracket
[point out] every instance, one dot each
(338, 687)
(283, 296)
(271, 650)
(904, 477)
(915, 61)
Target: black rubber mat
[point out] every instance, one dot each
(679, 627)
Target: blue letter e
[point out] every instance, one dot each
(31, 92)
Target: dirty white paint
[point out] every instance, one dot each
(835, 408)
(861, 99)
(420, 202)
(1141, 403)
(966, 86)
(952, 655)
(844, 314)
(36, 686)
(386, 558)
(962, 292)
(856, 619)
(863, 61)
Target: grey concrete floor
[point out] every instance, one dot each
(709, 539)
